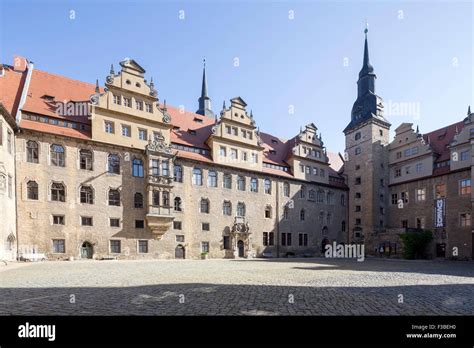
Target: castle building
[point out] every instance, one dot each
(114, 172)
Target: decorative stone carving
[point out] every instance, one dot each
(110, 79)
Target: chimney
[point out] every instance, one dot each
(20, 64)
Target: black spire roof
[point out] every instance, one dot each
(204, 100)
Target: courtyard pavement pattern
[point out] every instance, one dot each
(238, 287)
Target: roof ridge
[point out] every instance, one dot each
(64, 77)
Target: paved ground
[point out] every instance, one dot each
(238, 287)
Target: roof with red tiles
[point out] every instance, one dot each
(11, 86)
(440, 139)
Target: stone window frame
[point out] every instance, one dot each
(135, 205)
(227, 179)
(241, 207)
(80, 193)
(80, 153)
(28, 148)
(177, 223)
(50, 191)
(109, 125)
(115, 219)
(140, 224)
(54, 245)
(302, 214)
(240, 180)
(252, 181)
(286, 189)
(197, 173)
(205, 246)
(302, 192)
(422, 220)
(303, 239)
(62, 162)
(86, 217)
(207, 205)
(286, 213)
(212, 178)
(227, 207)
(109, 190)
(268, 211)
(467, 219)
(205, 226)
(53, 216)
(26, 182)
(178, 178)
(119, 244)
(178, 200)
(139, 166)
(107, 165)
(267, 184)
(420, 197)
(139, 246)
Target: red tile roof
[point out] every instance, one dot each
(11, 86)
(441, 138)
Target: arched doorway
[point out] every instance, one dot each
(240, 246)
(179, 252)
(323, 245)
(86, 250)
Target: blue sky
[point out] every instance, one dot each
(422, 53)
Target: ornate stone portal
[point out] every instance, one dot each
(160, 161)
(240, 238)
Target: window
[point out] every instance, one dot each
(223, 151)
(357, 136)
(465, 187)
(241, 209)
(155, 167)
(286, 189)
(114, 197)
(286, 213)
(253, 185)
(139, 224)
(59, 246)
(148, 107)
(233, 154)
(328, 218)
(268, 186)
(464, 155)
(358, 208)
(268, 212)
(228, 129)
(166, 199)
(302, 215)
(114, 222)
(58, 192)
(343, 226)
(286, 239)
(212, 178)
(137, 168)
(142, 134)
(204, 206)
(302, 191)
(343, 199)
(115, 246)
(322, 172)
(399, 154)
(271, 239)
(404, 223)
(86, 221)
(126, 131)
(303, 239)
(32, 152)
(227, 181)
(177, 225)
(358, 221)
(244, 156)
(240, 183)
(58, 219)
(178, 173)
(197, 177)
(127, 102)
(357, 167)
(407, 169)
(139, 105)
(308, 169)
(254, 158)
(32, 190)
(404, 197)
(205, 247)
(440, 190)
(330, 197)
(10, 142)
(109, 127)
(117, 99)
(358, 180)
(465, 219)
(155, 198)
(358, 151)
(380, 132)
(419, 167)
(235, 131)
(180, 238)
(420, 222)
(320, 196)
(227, 208)
(358, 195)
(85, 159)
(165, 168)
(394, 198)
(315, 171)
(301, 168)
(265, 238)
(205, 226)
(142, 246)
(398, 173)
(178, 204)
(87, 195)
(114, 164)
(138, 200)
(57, 155)
(420, 194)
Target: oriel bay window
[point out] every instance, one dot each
(156, 198)
(166, 198)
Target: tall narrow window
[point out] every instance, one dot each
(156, 198)
(114, 164)
(155, 167)
(241, 183)
(165, 168)
(227, 181)
(87, 195)
(58, 192)
(114, 197)
(177, 204)
(138, 200)
(204, 206)
(212, 178)
(286, 189)
(57, 155)
(302, 191)
(302, 214)
(137, 167)
(85, 159)
(178, 173)
(227, 208)
(32, 190)
(166, 199)
(197, 177)
(241, 209)
(268, 186)
(253, 185)
(32, 152)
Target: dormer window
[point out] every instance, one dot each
(176, 128)
(274, 141)
(138, 85)
(48, 97)
(139, 104)
(235, 131)
(357, 136)
(249, 133)
(198, 120)
(192, 131)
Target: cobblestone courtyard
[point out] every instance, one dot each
(238, 287)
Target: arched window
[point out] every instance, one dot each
(114, 197)
(58, 192)
(204, 205)
(212, 178)
(32, 151)
(87, 195)
(357, 136)
(178, 173)
(253, 185)
(177, 204)
(227, 208)
(114, 164)
(240, 209)
(268, 186)
(286, 189)
(155, 198)
(240, 183)
(320, 196)
(268, 212)
(227, 181)
(302, 214)
(57, 155)
(137, 169)
(138, 200)
(358, 151)
(32, 190)
(197, 177)
(311, 195)
(85, 159)
(302, 191)
(286, 213)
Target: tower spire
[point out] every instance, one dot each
(204, 100)
(97, 88)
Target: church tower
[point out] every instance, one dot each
(366, 165)
(204, 100)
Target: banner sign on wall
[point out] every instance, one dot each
(440, 213)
